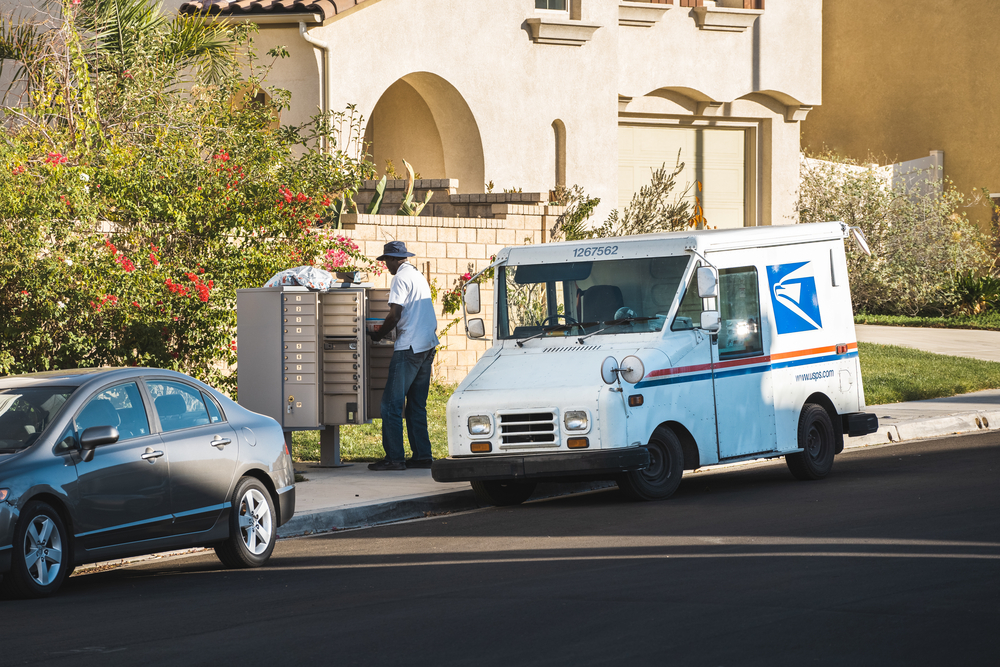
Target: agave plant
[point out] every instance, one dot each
(408, 207)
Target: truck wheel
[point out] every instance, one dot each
(817, 440)
(663, 476)
(503, 493)
(41, 553)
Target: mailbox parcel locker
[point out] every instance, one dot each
(304, 358)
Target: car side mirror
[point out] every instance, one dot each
(708, 282)
(475, 328)
(710, 321)
(472, 304)
(94, 437)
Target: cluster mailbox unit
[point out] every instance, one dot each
(305, 360)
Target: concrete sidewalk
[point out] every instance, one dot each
(972, 343)
(353, 496)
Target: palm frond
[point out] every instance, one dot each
(208, 48)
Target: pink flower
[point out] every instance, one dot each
(466, 277)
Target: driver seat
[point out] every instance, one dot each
(600, 302)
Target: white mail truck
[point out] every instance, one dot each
(636, 358)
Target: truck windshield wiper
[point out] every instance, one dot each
(555, 327)
(614, 323)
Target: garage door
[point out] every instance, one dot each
(715, 156)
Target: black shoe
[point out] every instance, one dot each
(386, 464)
(419, 463)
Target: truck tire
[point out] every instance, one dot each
(663, 476)
(817, 439)
(503, 493)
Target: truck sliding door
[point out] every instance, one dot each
(741, 370)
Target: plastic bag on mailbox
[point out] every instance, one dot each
(306, 276)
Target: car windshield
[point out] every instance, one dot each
(25, 413)
(587, 298)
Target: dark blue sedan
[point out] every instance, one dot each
(97, 464)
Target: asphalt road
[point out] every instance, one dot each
(893, 560)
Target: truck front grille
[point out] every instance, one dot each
(528, 428)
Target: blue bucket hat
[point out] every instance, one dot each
(394, 249)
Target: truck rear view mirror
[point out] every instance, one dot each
(475, 328)
(710, 321)
(708, 282)
(472, 301)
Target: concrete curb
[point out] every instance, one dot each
(933, 427)
(415, 507)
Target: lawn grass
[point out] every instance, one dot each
(989, 321)
(363, 442)
(894, 374)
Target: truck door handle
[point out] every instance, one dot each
(220, 442)
(149, 455)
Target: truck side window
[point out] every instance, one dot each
(739, 307)
(689, 313)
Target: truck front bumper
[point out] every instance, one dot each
(540, 467)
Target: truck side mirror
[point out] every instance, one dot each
(472, 299)
(708, 282)
(475, 328)
(710, 321)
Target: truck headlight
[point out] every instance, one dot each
(480, 425)
(576, 420)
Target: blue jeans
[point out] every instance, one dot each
(408, 383)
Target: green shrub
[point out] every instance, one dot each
(921, 240)
(141, 186)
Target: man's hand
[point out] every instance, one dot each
(391, 320)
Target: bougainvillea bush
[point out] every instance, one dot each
(144, 181)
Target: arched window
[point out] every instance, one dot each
(560, 133)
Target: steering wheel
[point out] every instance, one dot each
(569, 320)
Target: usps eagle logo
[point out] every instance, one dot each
(793, 297)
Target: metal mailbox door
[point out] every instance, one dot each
(379, 354)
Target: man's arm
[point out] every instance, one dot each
(391, 320)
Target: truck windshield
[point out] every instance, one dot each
(25, 412)
(599, 297)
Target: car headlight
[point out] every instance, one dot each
(576, 420)
(480, 425)
(3, 494)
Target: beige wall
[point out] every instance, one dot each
(494, 94)
(445, 248)
(903, 79)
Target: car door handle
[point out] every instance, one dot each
(220, 442)
(150, 455)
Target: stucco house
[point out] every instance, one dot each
(532, 94)
(908, 81)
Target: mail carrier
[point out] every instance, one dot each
(636, 358)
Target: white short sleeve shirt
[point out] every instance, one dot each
(417, 327)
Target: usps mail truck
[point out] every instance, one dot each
(636, 358)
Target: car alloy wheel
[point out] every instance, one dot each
(256, 526)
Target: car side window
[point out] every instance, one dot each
(119, 406)
(739, 307)
(214, 413)
(178, 405)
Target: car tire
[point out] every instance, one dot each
(817, 439)
(41, 553)
(253, 526)
(503, 493)
(661, 478)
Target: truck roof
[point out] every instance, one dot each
(675, 243)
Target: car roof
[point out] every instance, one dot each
(76, 377)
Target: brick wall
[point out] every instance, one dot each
(452, 233)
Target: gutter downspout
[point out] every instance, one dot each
(324, 84)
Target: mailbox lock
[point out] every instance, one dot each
(291, 401)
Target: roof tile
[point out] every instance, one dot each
(248, 8)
